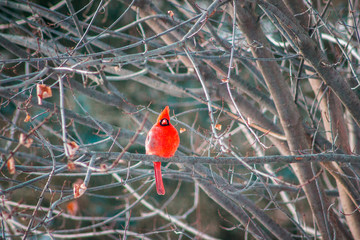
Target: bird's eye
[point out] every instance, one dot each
(164, 122)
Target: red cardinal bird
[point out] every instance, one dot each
(162, 140)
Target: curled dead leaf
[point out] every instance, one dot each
(72, 147)
(11, 165)
(79, 188)
(171, 14)
(71, 166)
(24, 140)
(42, 92)
(27, 118)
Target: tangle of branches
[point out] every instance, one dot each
(265, 95)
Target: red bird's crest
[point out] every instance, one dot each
(163, 116)
(163, 141)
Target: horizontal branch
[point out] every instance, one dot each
(306, 158)
(343, 158)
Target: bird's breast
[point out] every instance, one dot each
(162, 141)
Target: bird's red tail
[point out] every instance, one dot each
(158, 179)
